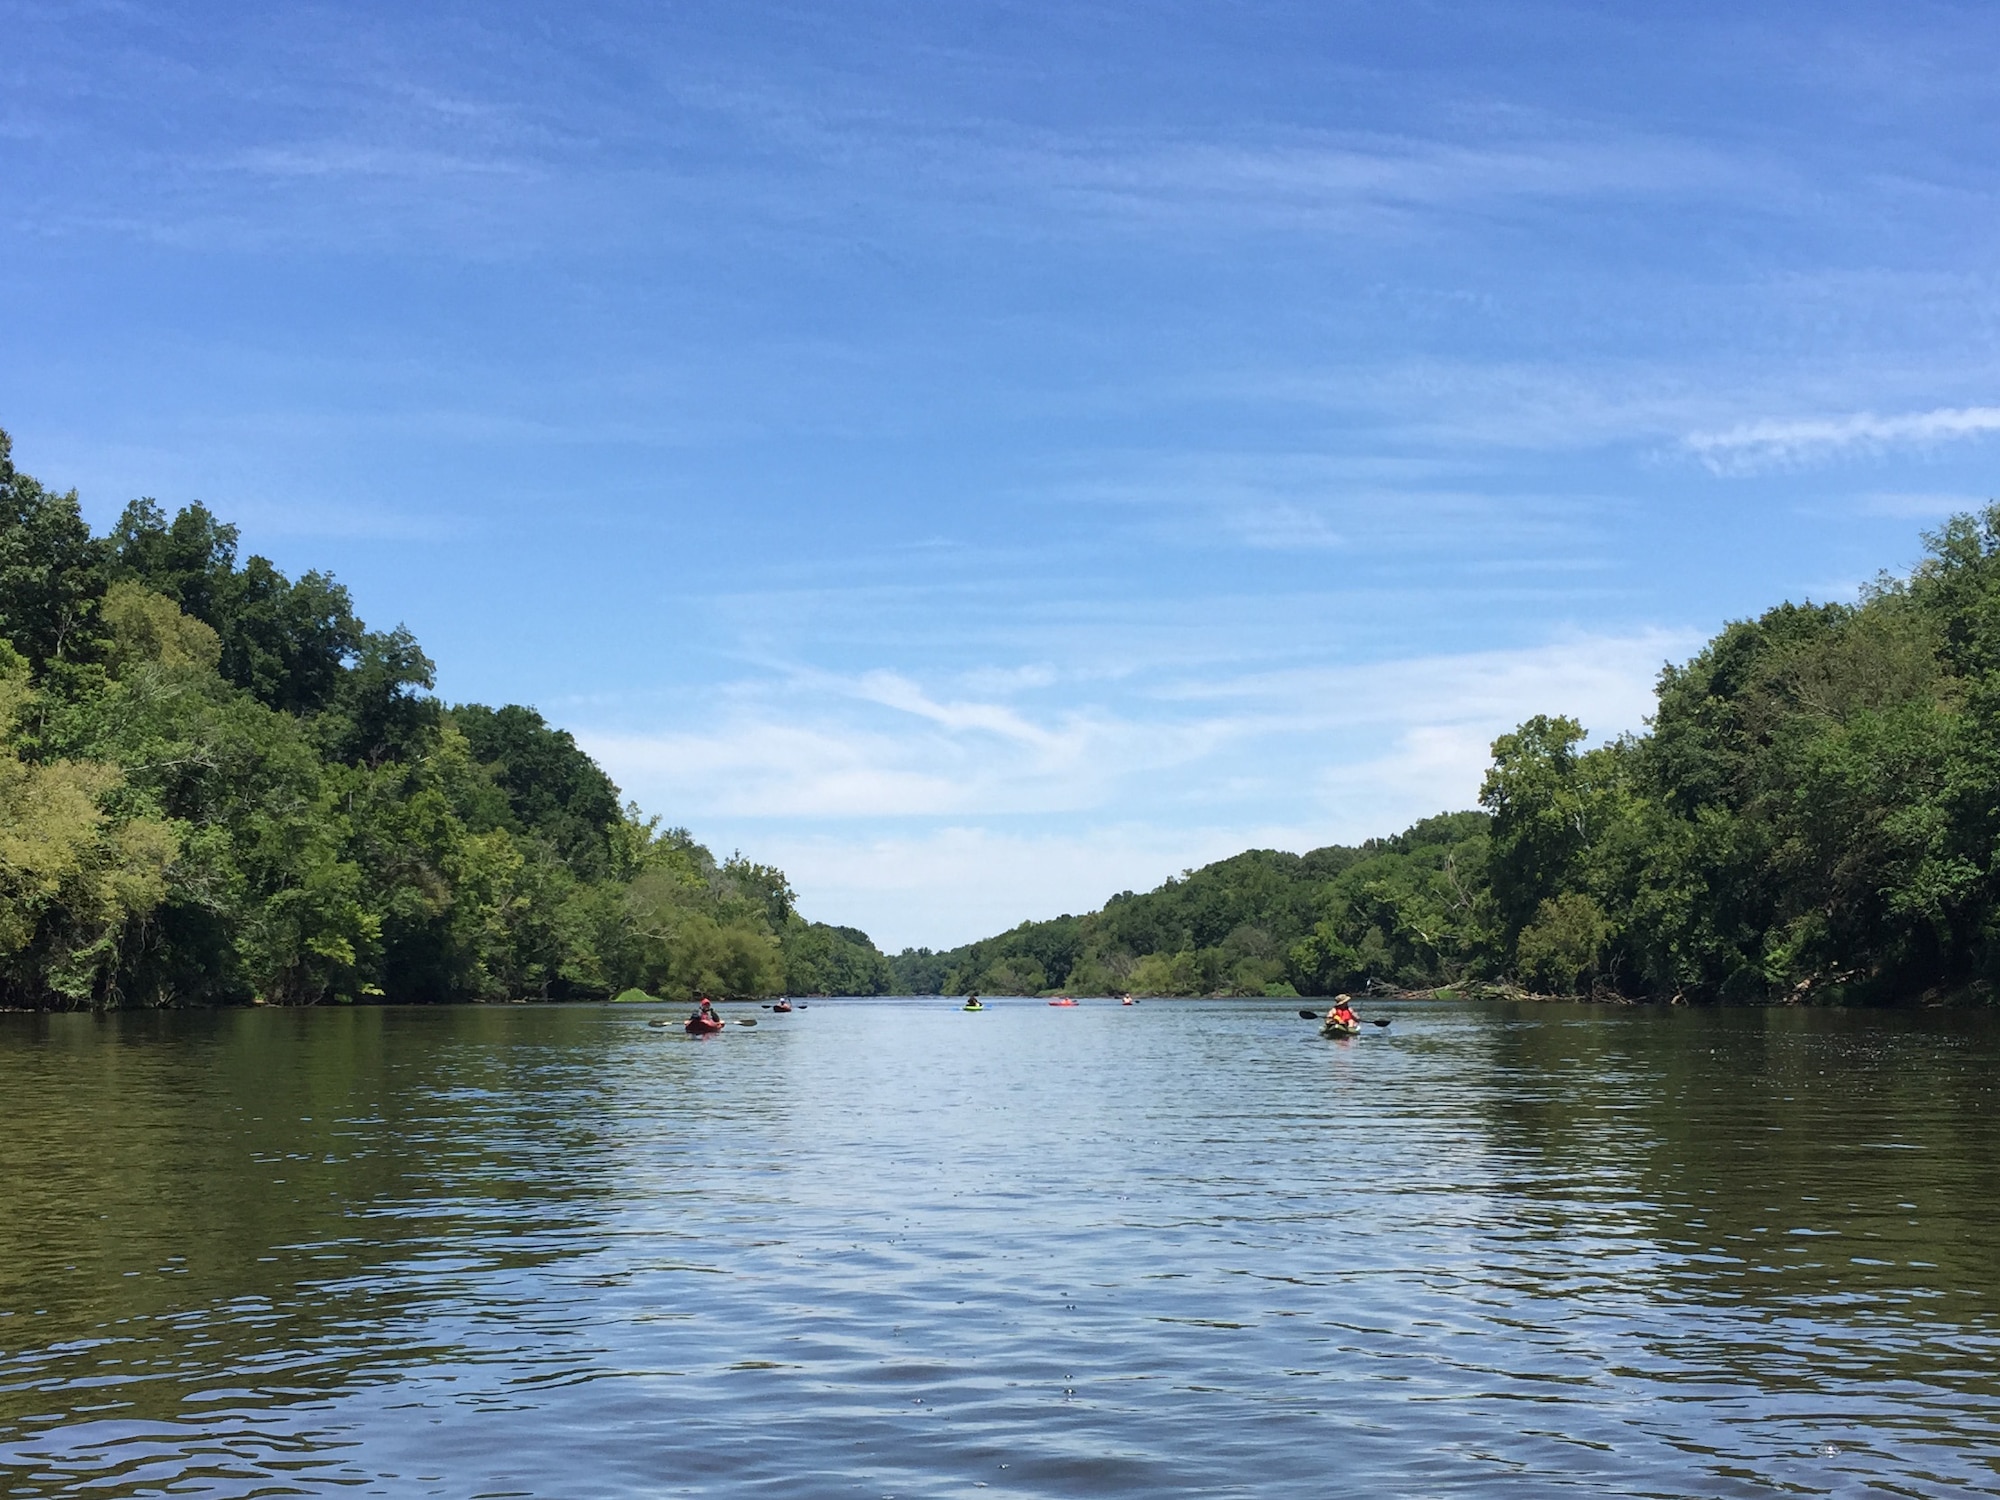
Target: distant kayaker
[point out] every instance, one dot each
(1342, 1013)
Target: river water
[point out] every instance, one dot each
(883, 1248)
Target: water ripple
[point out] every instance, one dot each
(874, 1249)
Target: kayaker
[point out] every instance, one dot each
(1342, 1013)
(704, 1011)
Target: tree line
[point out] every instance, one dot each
(218, 785)
(1813, 814)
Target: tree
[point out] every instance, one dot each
(381, 711)
(1560, 948)
(552, 790)
(216, 785)
(74, 878)
(51, 571)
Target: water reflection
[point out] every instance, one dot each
(1794, 1215)
(888, 1248)
(214, 1217)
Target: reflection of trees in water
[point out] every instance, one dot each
(1806, 1199)
(268, 1200)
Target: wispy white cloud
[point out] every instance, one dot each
(948, 885)
(893, 690)
(1284, 527)
(1606, 679)
(1324, 501)
(806, 757)
(931, 816)
(357, 158)
(1229, 177)
(1774, 443)
(1363, 179)
(1921, 505)
(1442, 408)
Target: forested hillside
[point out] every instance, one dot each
(218, 785)
(1404, 910)
(1813, 815)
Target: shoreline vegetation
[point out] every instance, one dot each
(1811, 817)
(218, 787)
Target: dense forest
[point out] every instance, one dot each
(217, 785)
(1814, 814)
(1407, 910)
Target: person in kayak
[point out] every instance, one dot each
(1342, 1013)
(704, 1011)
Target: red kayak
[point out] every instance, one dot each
(1064, 1001)
(704, 1025)
(783, 1007)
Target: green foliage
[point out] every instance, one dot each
(142, 628)
(824, 960)
(73, 879)
(551, 790)
(51, 571)
(1811, 816)
(919, 971)
(218, 785)
(1561, 947)
(1403, 909)
(287, 644)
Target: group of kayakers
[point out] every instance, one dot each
(703, 1020)
(1340, 1017)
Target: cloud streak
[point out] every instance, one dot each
(930, 815)
(1362, 179)
(1765, 444)
(943, 886)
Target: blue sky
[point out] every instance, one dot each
(985, 456)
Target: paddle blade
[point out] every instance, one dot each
(745, 1021)
(1382, 1021)
(1308, 1015)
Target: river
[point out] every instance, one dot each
(884, 1248)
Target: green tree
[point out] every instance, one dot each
(51, 571)
(1560, 949)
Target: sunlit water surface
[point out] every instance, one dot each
(889, 1249)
